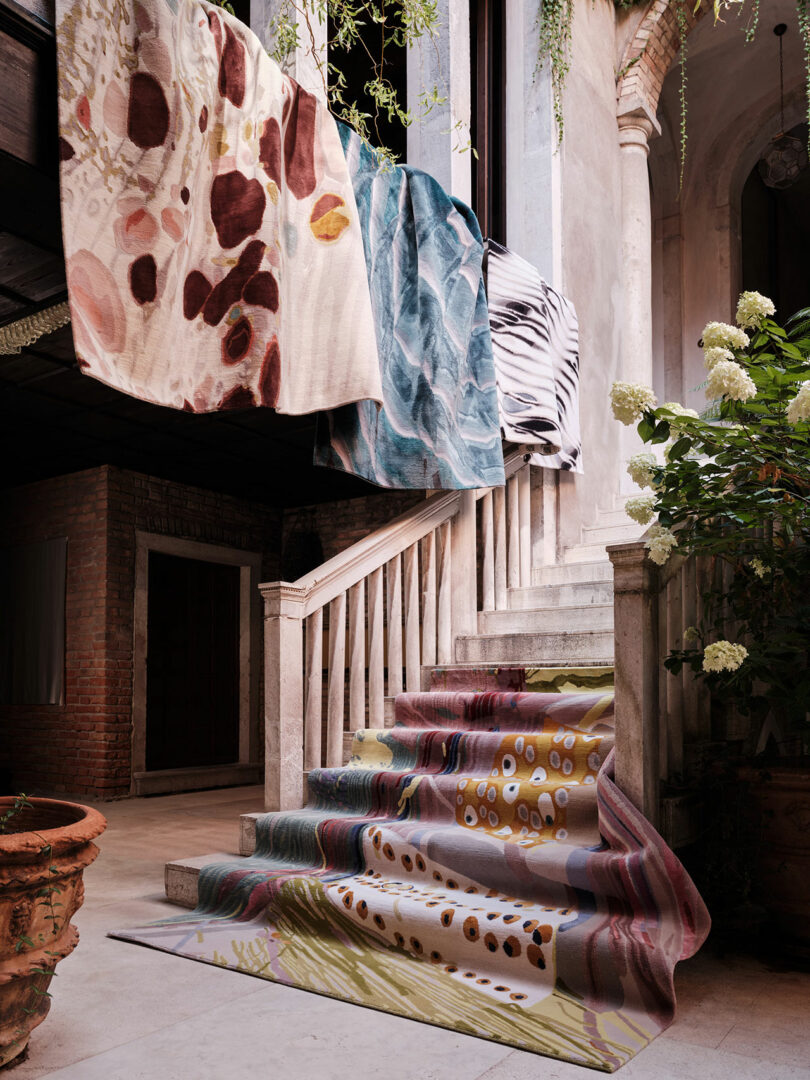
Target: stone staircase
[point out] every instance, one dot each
(559, 627)
(565, 616)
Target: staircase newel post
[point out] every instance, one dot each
(283, 695)
(635, 610)
(464, 602)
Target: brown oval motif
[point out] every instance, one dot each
(148, 114)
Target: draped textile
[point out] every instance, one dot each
(213, 249)
(438, 427)
(474, 867)
(535, 344)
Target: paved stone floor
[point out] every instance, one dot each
(122, 1012)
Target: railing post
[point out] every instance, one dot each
(464, 601)
(637, 667)
(283, 695)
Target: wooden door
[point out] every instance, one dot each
(192, 667)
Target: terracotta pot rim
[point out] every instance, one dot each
(84, 827)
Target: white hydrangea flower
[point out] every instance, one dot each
(728, 379)
(723, 656)
(630, 400)
(679, 410)
(660, 542)
(723, 335)
(799, 408)
(752, 309)
(691, 633)
(715, 353)
(640, 469)
(640, 508)
(759, 567)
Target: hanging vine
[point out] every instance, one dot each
(396, 23)
(803, 14)
(554, 22)
(683, 31)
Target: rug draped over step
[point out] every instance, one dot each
(535, 343)
(438, 427)
(473, 867)
(213, 248)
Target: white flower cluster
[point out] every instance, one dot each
(679, 410)
(641, 508)
(799, 408)
(728, 379)
(723, 656)
(630, 400)
(691, 633)
(640, 469)
(721, 335)
(715, 353)
(759, 567)
(660, 542)
(752, 308)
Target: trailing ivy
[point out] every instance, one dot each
(554, 22)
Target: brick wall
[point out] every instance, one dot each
(84, 747)
(336, 525)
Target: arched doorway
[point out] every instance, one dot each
(775, 235)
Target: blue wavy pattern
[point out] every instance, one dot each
(439, 425)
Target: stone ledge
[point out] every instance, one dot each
(180, 877)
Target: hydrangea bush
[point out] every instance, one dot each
(735, 486)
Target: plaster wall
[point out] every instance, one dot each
(591, 258)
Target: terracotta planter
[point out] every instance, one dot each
(781, 795)
(28, 878)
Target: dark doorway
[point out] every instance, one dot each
(192, 667)
(776, 239)
(488, 128)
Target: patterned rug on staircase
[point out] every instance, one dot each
(473, 867)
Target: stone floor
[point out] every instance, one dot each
(122, 1012)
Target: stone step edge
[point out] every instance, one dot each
(180, 877)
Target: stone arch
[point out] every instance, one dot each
(649, 55)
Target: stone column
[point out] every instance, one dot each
(637, 124)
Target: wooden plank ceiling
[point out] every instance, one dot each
(55, 420)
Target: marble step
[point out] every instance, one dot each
(599, 569)
(588, 553)
(612, 534)
(566, 618)
(570, 647)
(576, 592)
(180, 877)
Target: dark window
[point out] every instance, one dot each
(32, 624)
(357, 66)
(488, 84)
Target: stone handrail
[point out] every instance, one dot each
(408, 589)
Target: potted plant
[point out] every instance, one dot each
(45, 844)
(734, 486)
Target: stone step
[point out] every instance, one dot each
(562, 617)
(612, 534)
(180, 877)
(600, 569)
(595, 646)
(577, 592)
(615, 516)
(586, 553)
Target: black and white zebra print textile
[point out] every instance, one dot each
(535, 345)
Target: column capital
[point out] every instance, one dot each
(637, 122)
